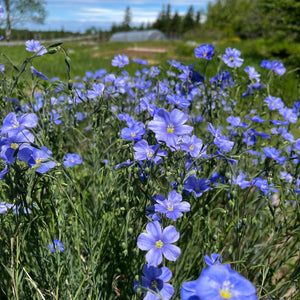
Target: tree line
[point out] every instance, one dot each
(243, 18)
(255, 18)
(169, 23)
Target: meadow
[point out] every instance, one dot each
(149, 171)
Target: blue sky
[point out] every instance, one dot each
(78, 15)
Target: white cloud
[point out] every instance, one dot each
(112, 15)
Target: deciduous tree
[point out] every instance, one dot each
(22, 11)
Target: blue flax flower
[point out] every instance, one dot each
(38, 74)
(261, 134)
(97, 90)
(178, 100)
(274, 103)
(214, 259)
(236, 122)
(11, 144)
(256, 119)
(273, 153)
(34, 46)
(252, 87)
(4, 207)
(145, 152)
(140, 61)
(218, 282)
(13, 124)
(70, 160)
(173, 207)
(196, 186)
(158, 243)
(252, 73)
(223, 143)
(120, 61)
(192, 145)
(263, 185)
(279, 123)
(205, 51)
(134, 132)
(276, 66)
(155, 280)
(41, 158)
(288, 114)
(232, 58)
(240, 180)
(168, 126)
(56, 246)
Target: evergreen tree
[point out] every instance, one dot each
(198, 18)
(188, 20)
(127, 19)
(175, 24)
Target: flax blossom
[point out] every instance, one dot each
(155, 279)
(158, 243)
(145, 152)
(41, 158)
(173, 207)
(219, 282)
(168, 126)
(232, 58)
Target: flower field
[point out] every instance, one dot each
(169, 183)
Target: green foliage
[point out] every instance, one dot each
(255, 18)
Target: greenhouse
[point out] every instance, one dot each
(138, 36)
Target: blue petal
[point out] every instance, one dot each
(154, 229)
(170, 235)
(145, 241)
(171, 252)
(154, 256)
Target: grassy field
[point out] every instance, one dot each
(91, 55)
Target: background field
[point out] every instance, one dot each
(93, 55)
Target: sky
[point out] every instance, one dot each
(79, 15)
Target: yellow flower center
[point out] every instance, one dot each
(14, 145)
(191, 147)
(231, 59)
(204, 54)
(34, 50)
(38, 160)
(170, 128)
(16, 125)
(72, 160)
(149, 154)
(170, 207)
(133, 134)
(225, 292)
(159, 244)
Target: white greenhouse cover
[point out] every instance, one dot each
(138, 36)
